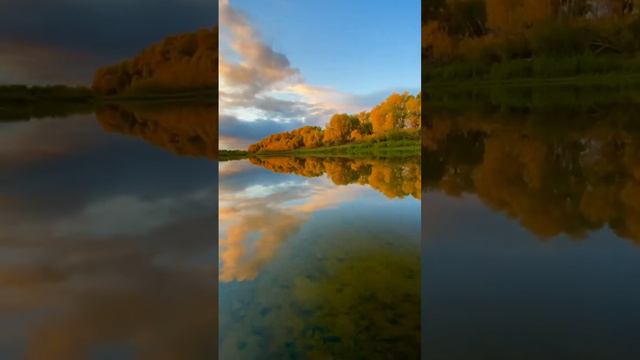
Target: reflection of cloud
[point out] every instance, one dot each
(253, 240)
(129, 215)
(253, 229)
(106, 244)
(111, 291)
(74, 296)
(25, 142)
(227, 168)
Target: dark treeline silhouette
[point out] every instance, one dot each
(396, 118)
(26, 94)
(22, 102)
(184, 129)
(186, 62)
(556, 172)
(507, 39)
(395, 178)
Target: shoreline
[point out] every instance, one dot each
(605, 80)
(387, 149)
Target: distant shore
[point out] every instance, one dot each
(389, 148)
(612, 79)
(25, 102)
(20, 94)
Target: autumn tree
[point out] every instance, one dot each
(178, 63)
(398, 111)
(311, 136)
(339, 128)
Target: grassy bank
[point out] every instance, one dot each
(585, 93)
(18, 102)
(584, 69)
(23, 94)
(226, 155)
(389, 148)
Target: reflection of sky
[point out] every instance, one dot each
(274, 208)
(558, 298)
(107, 244)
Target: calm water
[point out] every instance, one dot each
(531, 228)
(320, 258)
(530, 242)
(108, 245)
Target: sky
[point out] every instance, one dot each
(64, 41)
(286, 64)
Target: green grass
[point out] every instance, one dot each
(226, 155)
(19, 102)
(389, 148)
(580, 69)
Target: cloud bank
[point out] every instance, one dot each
(259, 87)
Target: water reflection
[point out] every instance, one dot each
(553, 178)
(191, 129)
(394, 177)
(309, 269)
(108, 244)
(503, 170)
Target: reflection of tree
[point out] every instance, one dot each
(396, 178)
(187, 129)
(553, 177)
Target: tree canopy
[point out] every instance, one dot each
(399, 112)
(178, 63)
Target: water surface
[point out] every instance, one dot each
(320, 258)
(108, 246)
(531, 226)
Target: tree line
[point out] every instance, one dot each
(177, 63)
(487, 32)
(399, 114)
(554, 177)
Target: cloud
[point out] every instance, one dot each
(90, 33)
(251, 131)
(22, 62)
(258, 82)
(261, 67)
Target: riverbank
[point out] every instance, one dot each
(585, 69)
(613, 79)
(24, 94)
(389, 148)
(19, 102)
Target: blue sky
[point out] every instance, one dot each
(354, 46)
(287, 63)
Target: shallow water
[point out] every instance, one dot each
(319, 258)
(108, 245)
